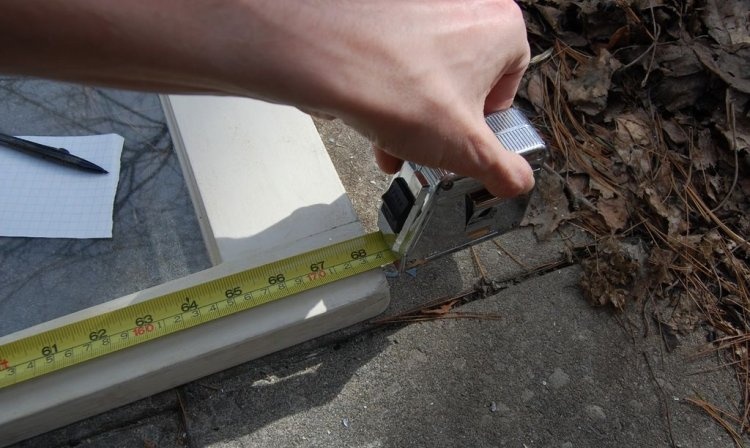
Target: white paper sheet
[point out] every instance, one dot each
(42, 198)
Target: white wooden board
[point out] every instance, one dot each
(264, 189)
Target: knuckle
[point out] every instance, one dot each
(521, 184)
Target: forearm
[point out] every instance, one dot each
(185, 46)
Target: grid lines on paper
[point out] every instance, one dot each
(42, 198)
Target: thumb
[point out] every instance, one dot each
(386, 162)
(504, 173)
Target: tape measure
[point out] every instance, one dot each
(109, 332)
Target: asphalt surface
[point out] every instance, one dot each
(535, 366)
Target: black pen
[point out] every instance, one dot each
(60, 155)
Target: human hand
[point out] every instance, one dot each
(417, 78)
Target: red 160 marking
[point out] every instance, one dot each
(144, 329)
(316, 275)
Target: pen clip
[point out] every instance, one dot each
(61, 155)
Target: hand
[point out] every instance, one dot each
(418, 77)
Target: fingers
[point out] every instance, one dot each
(504, 173)
(502, 94)
(509, 174)
(515, 63)
(387, 163)
(317, 114)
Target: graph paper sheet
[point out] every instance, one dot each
(41, 198)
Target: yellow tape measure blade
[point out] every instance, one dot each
(83, 340)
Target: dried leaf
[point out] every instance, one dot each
(710, 245)
(647, 4)
(601, 19)
(727, 21)
(735, 125)
(589, 88)
(634, 134)
(730, 67)
(683, 93)
(634, 129)
(659, 263)
(675, 60)
(574, 39)
(704, 155)
(714, 186)
(675, 132)
(553, 16)
(549, 206)
(614, 211)
(535, 90)
(683, 78)
(604, 191)
(579, 182)
(674, 217)
(682, 315)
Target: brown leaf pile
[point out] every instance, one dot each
(646, 105)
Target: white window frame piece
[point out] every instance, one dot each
(264, 188)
